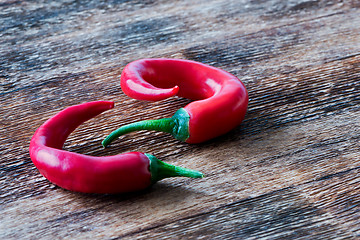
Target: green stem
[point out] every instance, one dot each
(177, 125)
(160, 170)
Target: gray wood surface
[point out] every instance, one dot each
(290, 171)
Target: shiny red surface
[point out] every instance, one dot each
(82, 173)
(221, 99)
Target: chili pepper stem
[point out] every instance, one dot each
(177, 125)
(160, 170)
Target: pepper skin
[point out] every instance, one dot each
(126, 172)
(220, 99)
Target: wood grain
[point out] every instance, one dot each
(300, 212)
(290, 171)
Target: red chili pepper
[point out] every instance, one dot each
(220, 103)
(77, 172)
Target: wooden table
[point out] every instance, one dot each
(291, 170)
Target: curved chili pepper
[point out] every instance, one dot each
(77, 172)
(220, 103)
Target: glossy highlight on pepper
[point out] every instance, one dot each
(220, 98)
(125, 172)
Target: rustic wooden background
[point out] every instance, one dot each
(290, 171)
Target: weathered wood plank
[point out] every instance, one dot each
(323, 209)
(43, 41)
(242, 172)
